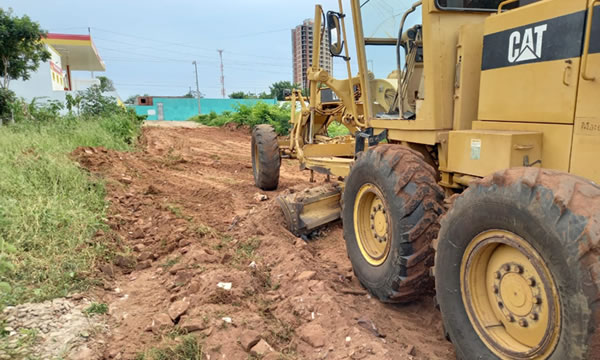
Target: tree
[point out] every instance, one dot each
(106, 84)
(94, 103)
(131, 100)
(277, 89)
(238, 95)
(21, 48)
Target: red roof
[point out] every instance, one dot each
(68, 36)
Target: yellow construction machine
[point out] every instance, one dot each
(469, 168)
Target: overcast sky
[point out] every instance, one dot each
(148, 46)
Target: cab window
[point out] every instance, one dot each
(471, 5)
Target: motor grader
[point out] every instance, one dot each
(470, 167)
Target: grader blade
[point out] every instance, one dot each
(307, 210)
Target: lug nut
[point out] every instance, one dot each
(374, 208)
(531, 282)
(519, 269)
(510, 318)
(497, 275)
(500, 304)
(523, 323)
(534, 316)
(496, 289)
(379, 207)
(372, 227)
(506, 267)
(537, 300)
(372, 217)
(383, 210)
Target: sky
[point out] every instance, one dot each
(148, 46)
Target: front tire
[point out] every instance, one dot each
(391, 204)
(266, 159)
(517, 267)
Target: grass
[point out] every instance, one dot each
(50, 208)
(96, 309)
(187, 349)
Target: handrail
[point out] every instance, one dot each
(586, 45)
(506, 2)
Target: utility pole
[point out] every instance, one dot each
(222, 75)
(197, 86)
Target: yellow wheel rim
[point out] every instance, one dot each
(371, 225)
(510, 296)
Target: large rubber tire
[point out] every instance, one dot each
(558, 215)
(266, 159)
(414, 203)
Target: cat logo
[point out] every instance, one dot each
(526, 46)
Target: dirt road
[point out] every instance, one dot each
(185, 205)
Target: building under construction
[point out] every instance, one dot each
(302, 40)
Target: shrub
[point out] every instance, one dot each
(7, 97)
(251, 115)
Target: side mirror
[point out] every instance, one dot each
(335, 33)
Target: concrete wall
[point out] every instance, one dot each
(180, 109)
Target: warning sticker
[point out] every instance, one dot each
(475, 149)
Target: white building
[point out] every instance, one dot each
(54, 78)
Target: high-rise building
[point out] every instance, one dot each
(302, 40)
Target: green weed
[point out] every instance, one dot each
(96, 308)
(188, 349)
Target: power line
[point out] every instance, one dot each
(183, 44)
(191, 56)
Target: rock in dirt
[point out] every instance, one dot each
(139, 247)
(178, 308)
(177, 268)
(202, 256)
(258, 197)
(411, 350)
(370, 326)
(107, 269)
(161, 322)
(261, 348)
(248, 339)
(126, 262)
(306, 275)
(313, 334)
(224, 285)
(192, 324)
(143, 265)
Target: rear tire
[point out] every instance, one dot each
(391, 205)
(266, 159)
(554, 219)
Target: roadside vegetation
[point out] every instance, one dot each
(261, 113)
(50, 208)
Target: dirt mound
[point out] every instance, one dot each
(202, 253)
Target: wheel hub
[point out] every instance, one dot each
(371, 224)
(510, 296)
